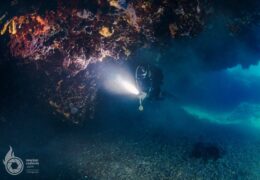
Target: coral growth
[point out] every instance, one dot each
(66, 41)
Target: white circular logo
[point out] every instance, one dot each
(13, 165)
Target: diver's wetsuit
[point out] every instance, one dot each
(149, 80)
(156, 82)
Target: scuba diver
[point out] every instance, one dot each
(149, 79)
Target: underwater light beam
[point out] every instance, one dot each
(128, 86)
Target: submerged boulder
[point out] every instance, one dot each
(206, 151)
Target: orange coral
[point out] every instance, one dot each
(104, 31)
